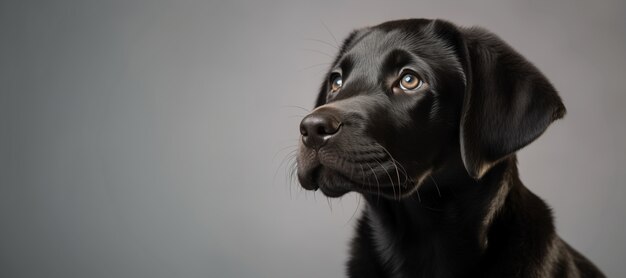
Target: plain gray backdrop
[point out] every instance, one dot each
(152, 138)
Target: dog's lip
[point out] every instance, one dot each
(312, 180)
(394, 192)
(317, 173)
(341, 184)
(309, 180)
(333, 192)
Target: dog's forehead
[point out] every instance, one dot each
(371, 45)
(366, 52)
(377, 41)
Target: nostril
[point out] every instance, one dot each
(328, 127)
(321, 130)
(303, 130)
(332, 127)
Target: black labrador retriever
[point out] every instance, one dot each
(423, 118)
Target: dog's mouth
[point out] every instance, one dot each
(336, 173)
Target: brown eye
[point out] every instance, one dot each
(410, 82)
(335, 83)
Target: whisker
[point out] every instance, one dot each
(390, 180)
(395, 166)
(289, 156)
(358, 204)
(292, 175)
(282, 149)
(296, 106)
(368, 183)
(436, 185)
(331, 34)
(395, 162)
(377, 182)
(329, 204)
(290, 185)
(289, 178)
(321, 41)
(317, 51)
(296, 116)
(313, 66)
(419, 198)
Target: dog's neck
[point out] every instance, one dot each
(450, 211)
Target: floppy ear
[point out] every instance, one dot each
(508, 102)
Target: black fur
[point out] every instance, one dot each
(437, 164)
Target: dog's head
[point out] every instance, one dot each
(403, 98)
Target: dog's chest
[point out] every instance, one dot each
(406, 251)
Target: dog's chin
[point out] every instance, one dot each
(330, 182)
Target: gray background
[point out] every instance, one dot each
(145, 139)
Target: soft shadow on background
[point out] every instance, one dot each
(151, 138)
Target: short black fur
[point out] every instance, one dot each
(436, 164)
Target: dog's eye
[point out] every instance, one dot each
(335, 83)
(410, 82)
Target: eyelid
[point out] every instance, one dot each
(406, 70)
(333, 75)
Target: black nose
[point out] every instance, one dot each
(317, 128)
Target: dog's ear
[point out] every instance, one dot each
(508, 102)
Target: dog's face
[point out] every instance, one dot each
(403, 98)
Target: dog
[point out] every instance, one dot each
(423, 119)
